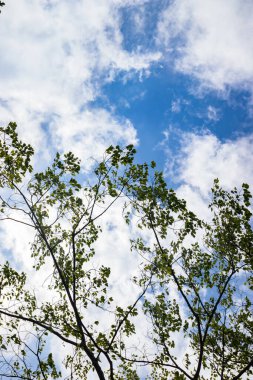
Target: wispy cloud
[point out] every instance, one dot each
(213, 113)
(176, 106)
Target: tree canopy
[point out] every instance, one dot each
(194, 278)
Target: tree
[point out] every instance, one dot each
(195, 279)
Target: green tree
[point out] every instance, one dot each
(195, 279)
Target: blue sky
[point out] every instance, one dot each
(155, 73)
(173, 77)
(165, 100)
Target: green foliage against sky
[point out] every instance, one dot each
(195, 277)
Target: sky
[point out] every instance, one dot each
(175, 78)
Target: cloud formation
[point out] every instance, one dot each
(203, 157)
(56, 56)
(210, 40)
(55, 62)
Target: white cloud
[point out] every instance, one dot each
(55, 56)
(88, 133)
(211, 40)
(205, 158)
(213, 113)
(202, 158)
(176, 106)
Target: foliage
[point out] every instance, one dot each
(195, 280)
(1, 4)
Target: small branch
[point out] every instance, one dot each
(208, 325)
(245, 369)
(38, 323)
(126, 315)
(74, 267)
(18, 221)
